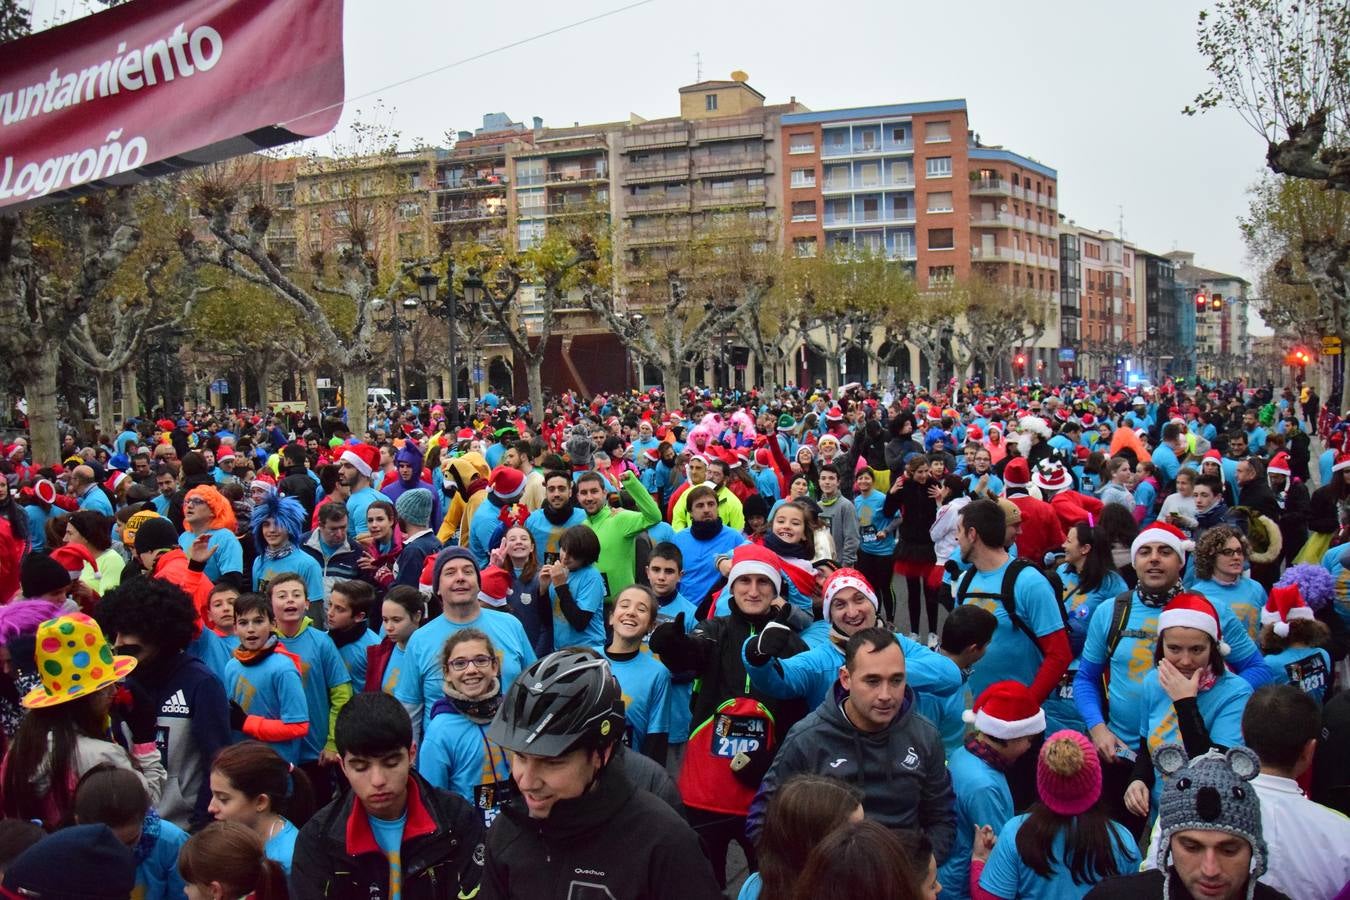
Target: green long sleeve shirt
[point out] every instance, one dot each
(618, 529)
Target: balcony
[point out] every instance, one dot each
(745, 196)
(656, 200)
(587, 208)
(576, 176)
(737, 162)
(989, 186)
(474, 214)
(728, 132)
(997, 254)
(850, 185)
(476, 183)
(651, 140)
(870, 217)
(645, 237)
(866, 148)
(661, 172)
(996, 220)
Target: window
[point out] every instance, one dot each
(870, 207)
(941, 239)
(530, 171)
(408, 210)
(804, 178)
(710, 102)
(285, 197)
(804, 247)
(899, 134)
(867, 140)
(941, 274)
(869, 174)
(939, 167)
(940, 201)
(837, 177)
(801, 143)
(342, 217)
(902, 172)
(937, 132)
(803, 210)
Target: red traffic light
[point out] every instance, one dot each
(1201, 301)
(1020, 360)
(1298, 356)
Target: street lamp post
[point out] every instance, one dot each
(448, 308)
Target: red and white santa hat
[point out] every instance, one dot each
(1006, 710)
(651, 454)
(1191, 610)
(1016, 473)
(1050, 475)
(1283, 606)
(834, 414)
(362, 457)
(45, 491)
(494, 584)
(1342, 461)
(848, 578)
(1163, 533)
(752, 559)
(1279, 464)
(113, 481)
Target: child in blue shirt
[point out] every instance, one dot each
(262, 680)
(456, 754)
(1293, 643)
(326, 684)
(116, 797)
(253, 786)
(645, 681)
(348, 612)
(665, 567)
(576, 590)
(215, 645)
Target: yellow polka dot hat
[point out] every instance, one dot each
(74, 660)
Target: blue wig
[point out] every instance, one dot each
(287, 511)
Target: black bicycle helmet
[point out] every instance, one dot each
(566, 700)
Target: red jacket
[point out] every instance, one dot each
(175, 568)
(1041, 530)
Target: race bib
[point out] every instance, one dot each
(489, 798)
(1309, 673)
(737, 734)
(868, 533)
(1064, 690)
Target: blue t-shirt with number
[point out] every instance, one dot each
(1306, 668)
(645, 683)
(271, 689)
(1005, 875)
(389, 837)
(457, 756)
(321, 670)
(1011, 654)
(873, 535)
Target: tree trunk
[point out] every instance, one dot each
(670, 383)
(832, 371)
(534, 380)
(445, 384)
(354, 384)
(131, 400)
(264, 372)
(39, 389)
(104, 383)
(309, 377)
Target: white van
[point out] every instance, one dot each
(380, 396)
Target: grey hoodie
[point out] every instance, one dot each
(902, 771)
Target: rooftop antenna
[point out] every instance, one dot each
(1120, 221)
(698, 63)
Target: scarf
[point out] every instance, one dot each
(1207, 679)
(1158, 600)
(983, 751)
(480, 711)
(282, 553)
(783, 548)
(253, 657)
(558, 516)
(344, 636)
(705, 531)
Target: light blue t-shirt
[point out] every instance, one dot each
(1011, 654)
(456, 756)
(750, 887)
(1245, 598)
(1220, 707)
(1306, 668)
(228, 555)
(389, 836)
(280, 847)
(982, 798)
(271, 689)
(588, 592)
(680, 693)
(1333, 562)
(1005, 875)
(645, 683)
(357, 504)
(321, 670)
(354, 657)
(393, 670)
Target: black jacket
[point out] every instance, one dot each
(1149, 885)
(295, 482)
(616, 841)
(441, 854)
(1257, 495)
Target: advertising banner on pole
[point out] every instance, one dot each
(155, 86)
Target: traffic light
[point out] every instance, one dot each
(1201, 302)
(1019, 360)
(1216, 302)
(1299, 356)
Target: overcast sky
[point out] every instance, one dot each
(1093, 89)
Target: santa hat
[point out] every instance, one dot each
(363, 458)
(1279, 464)
(1191, 610)
(1342, 462)
(72, 558)
(752, 559)
(1284, 605)
(494, 584)
(1016, 474)
(506, 482)
(848, 578)
(764, 457)
(114, 480)
(651, 454)
(834, 414)
(1051, 476)
(225, 454)
(45, 491)
(1163, 533)
(1006, 710)
(974, 434)
(464, 434)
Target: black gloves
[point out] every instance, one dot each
(141, 715)
(665, 637)
(237, 716)
(771, 641)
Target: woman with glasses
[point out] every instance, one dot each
(1220, 563)
(456, 754)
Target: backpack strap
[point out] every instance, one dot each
(1120, 617)
(1008, 597)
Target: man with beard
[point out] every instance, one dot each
(706, 538)
(617, 529)
(547, 523)
(356, 465)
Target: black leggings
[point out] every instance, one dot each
(913, 587)
(879, 572)
(717, 831)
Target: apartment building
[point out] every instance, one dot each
(1221, 336)
(472, 193)
(912, 182)
(1105, 272)
(1164, 328)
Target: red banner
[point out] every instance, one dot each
(154, 86)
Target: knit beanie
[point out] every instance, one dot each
(444, 557)
(414, 507)
(1068, 773)
(39, 575)
(156, 534)
(106, 869)
(1210, 793)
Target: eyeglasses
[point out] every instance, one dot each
(1232, 551)
(194, 501)
(460, 663)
